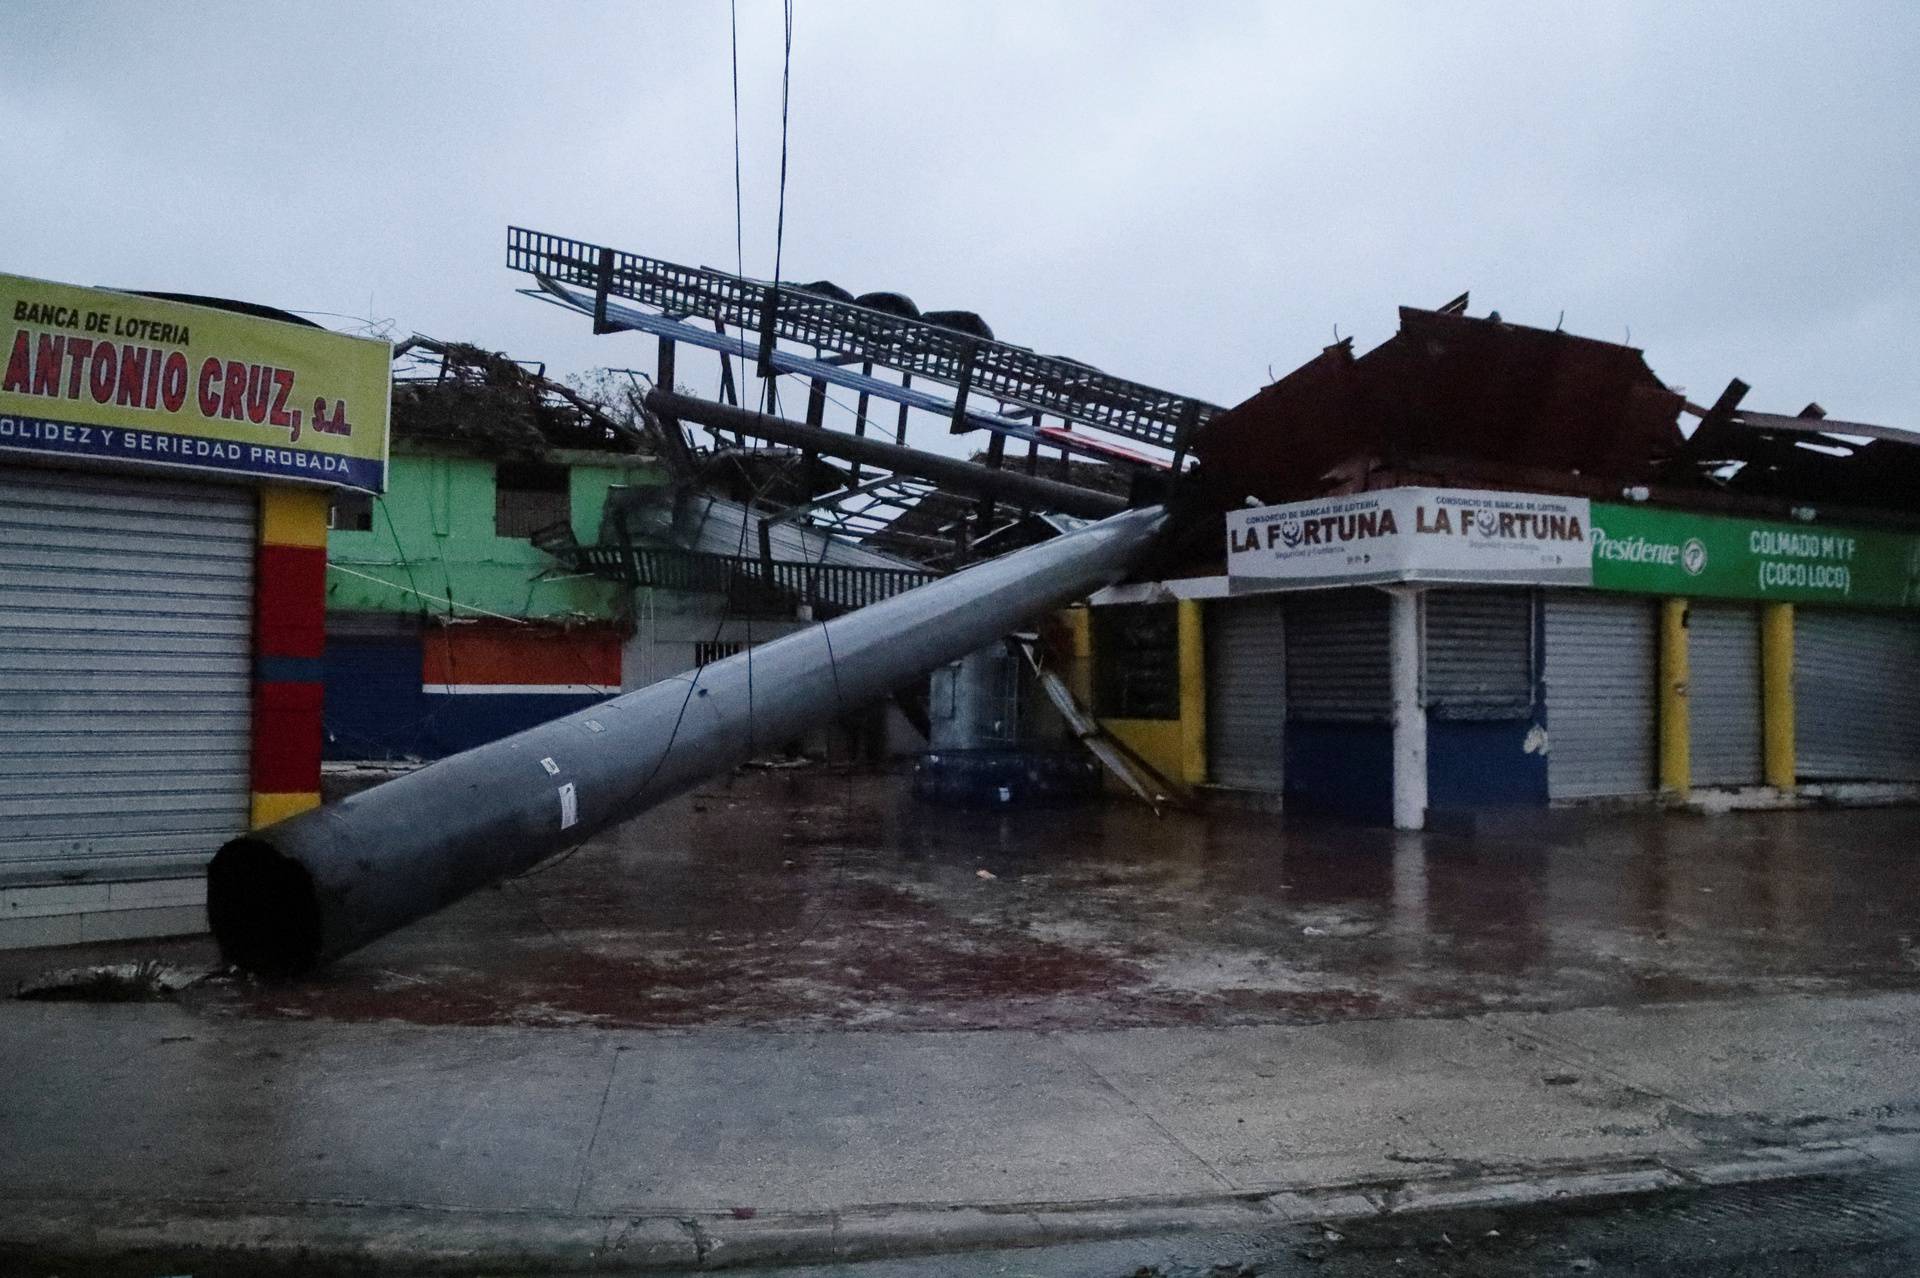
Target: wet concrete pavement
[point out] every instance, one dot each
(151, 1129)
(813, 900)
(1865, 1226)
(726, 1031)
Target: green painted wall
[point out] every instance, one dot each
(433, 535)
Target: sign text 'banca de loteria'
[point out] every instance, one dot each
(90, 373)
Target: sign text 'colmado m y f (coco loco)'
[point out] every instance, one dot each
(1650, 550)
(115, 376)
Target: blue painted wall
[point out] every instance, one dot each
(1341, 769)
(1480, 763)
(374, 708)
(1484, 763)
(461, 721)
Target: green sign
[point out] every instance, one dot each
(1668, 552)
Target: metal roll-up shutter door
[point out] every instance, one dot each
(1856, 693)
(1601, 671)
(1723, 693)
(1247, 693)
(1479, 662)
(125, 630)
(1337, 663)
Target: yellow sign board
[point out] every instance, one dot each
(89, 373)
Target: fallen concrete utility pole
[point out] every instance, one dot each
(284, 899)
(951, 472)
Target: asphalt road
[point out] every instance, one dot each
(1864, 1225)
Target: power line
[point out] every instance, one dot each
(767, 400)
(739, 251)
(786, 83)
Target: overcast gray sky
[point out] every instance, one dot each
(1185, 193)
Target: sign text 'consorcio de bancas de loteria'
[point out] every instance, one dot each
(87, 373)
(1463, 535)
(1412, 534)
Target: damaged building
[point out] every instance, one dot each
(1484, 567)
(446, 625)
(463, 605)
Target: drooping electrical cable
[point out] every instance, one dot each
(679, 718)
(780, 226)
(740, 268)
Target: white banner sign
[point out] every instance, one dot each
(1413, 534)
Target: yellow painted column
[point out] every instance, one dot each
(294, 516)
(1776, 691)
(1193, 693)
(1676, 766)
(267, 809)
(1076, 637)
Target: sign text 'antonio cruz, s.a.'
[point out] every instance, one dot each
(1412, 534)
(90, 373)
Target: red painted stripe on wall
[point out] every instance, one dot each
(290, 601)
(286, 736)
(466, 656)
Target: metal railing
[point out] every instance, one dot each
(1082, 394)
(838, 586)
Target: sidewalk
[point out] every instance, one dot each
(187, 1136)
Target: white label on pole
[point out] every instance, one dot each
(569, 806)
(553, 769)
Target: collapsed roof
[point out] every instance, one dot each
(1481, 403)
(456, 393)
(1446, 392)
(1805, 460)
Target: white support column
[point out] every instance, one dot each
(1409, 710)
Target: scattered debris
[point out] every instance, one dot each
(147, 981)
(780, 764)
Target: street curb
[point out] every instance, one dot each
(110, 1236)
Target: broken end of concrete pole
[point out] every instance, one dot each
(263, 908)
